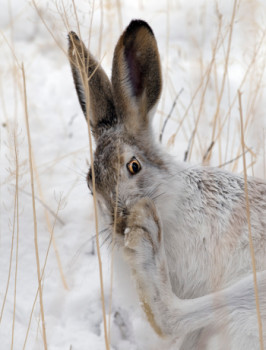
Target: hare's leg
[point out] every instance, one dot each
(171, 316)
(144, 250)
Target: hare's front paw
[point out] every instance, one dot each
(144, 248)
(143, 232)
(144, 251)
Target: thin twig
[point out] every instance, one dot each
(10, 47)
(97, 228)
(33, 206)
(232, 160)
(235, 98)
(17, 245)
(101, 29)
(43, 270)
(49, 226)
(118, 5)
(44, 205)
(82, 65)
(10, 258)
(249, 225)
(198, 88)
(170, 113)
(189, 145)
(207, 158)
(47, 27)
(113, 241)
(214, 51)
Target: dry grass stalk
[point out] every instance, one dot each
(264, 155)
(11, 48)
(43, 204)
(205, 89)
(228, 126)
(250, 110)
(249, 225)
(101, 30)
(231, 161)
(119, 10)
(97, 224)
(166, 68)
(169, 114)
(33, 207)
(49, 226)
(112, 250)
(63, 16)
(47, 27)
(252, 62)
(76, 17)
(82, 66)
(208, 156)
(17, 245)
(42, 276)
(198, 89)
(254, 97)
(10, 258)
(91, 21)
(206, 75)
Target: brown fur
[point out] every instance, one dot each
(136, 57)
(92, 85)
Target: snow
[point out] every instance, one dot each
(186, 33)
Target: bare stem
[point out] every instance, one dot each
(33, 207)
(249, 224)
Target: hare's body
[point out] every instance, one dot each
(205, 228)
(207, 244)
(183, 229)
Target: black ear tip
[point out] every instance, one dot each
(136, 24)
(72, 36)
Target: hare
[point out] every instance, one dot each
(183, 229)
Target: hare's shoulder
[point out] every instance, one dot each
(217, 198)
(215, 182)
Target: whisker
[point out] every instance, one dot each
(158, 195)
(109, 237)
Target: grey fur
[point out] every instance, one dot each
(200, 213)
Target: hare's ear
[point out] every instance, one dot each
(92, 85)
(136, 75)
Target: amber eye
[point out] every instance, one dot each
(133, 166)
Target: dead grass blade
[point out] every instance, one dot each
(33, 207)
(82, 66)
(249, 225)
(17, 245)
(205, 75)
(42, 276)
(10, 258)
(252, 62)
(47, 27)
(112, 249)
(49, 226)
(208, 155)
(169, 115)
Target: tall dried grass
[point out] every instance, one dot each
(199, 148)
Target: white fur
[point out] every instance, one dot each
(202, 256)
(183, 228)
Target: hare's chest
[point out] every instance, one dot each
(188, 263)
(201, 257)
(199, 261)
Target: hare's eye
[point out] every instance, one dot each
(133, 166)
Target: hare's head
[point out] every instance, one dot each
(127, 164)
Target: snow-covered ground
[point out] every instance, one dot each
(187, 37)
